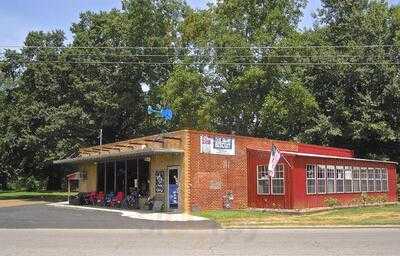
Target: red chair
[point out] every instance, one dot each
(93, 197)
(100, 198)
(117, 200)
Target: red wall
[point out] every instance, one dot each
(257, 157)
(212, 176)
(302, 200)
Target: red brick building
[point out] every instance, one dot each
(194, 170)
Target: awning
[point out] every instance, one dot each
(119, 155)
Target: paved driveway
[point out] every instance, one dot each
(45, 216)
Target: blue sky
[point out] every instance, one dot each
(18, 17)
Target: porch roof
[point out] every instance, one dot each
(119, 155)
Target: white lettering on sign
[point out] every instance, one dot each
(217, 145)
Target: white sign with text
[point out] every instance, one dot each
(217, 145)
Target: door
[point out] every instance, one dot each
(173, 188)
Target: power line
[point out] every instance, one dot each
(196, 47)
(209, 63)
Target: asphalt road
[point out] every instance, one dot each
(45, 216)
(200, 242)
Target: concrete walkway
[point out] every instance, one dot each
(142, 215)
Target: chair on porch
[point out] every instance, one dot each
(117, 200)
(100, 198)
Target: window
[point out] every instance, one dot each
(356, 179)
(378, 181)
(330, 179)
(371, 182)
(263, 185)
(310, 176)
(348, 177)
(363, 177)
(321, 179)
(278, 187)
(339, 179)
(384, 180)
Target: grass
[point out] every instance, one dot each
(39, 195)
(372, 215)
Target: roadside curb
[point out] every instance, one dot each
(316, 227)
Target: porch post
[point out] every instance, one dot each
(115, 176)
(105, 177)
(126, 177)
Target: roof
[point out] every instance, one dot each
(119, 155)
(331, 157)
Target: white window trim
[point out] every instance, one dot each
(334, 179)
(368, 179)
(258, 179)
(347, 168)
(315, 181)
(318, 179)
(342, 169)
(356, 168)
(283, 179)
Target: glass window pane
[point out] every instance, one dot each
(311, 186)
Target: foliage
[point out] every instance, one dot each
(218, 77)
(371, 215)
(36, 195)
(332, 202)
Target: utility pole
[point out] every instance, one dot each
(101, 140)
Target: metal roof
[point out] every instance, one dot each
(331, 157)
(119, 155)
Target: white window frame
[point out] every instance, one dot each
(349, 169)
(330, 169)
(314, 169)
(341, 168)
(263, 178)
(282, 167)
(368, 179)
(379, 178)
(356, 169)
(363, 169)
(323, 168)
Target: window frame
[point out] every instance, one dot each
(350, 170)
(368, 179)
(267, 178)
(323, 168)
(357, 170)
(314, 171)
(328, 169)
(279, 166)
(341, 168)
(363, 170)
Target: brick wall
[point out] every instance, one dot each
(212, 176)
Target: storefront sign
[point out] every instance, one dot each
(217, 145)
(159, 184)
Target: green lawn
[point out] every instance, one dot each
(40, 195)
(372, 215)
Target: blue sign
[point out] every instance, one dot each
(173, 194)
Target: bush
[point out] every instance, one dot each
(332, 202)
(27, 183)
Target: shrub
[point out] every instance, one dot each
(27, 183)
(332, 202)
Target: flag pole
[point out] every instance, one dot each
(291, 167)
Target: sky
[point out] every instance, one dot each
(18, 17)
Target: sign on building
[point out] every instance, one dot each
(217, 145)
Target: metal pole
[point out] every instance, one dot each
(69, 191)
(101, 140)
(126, 176)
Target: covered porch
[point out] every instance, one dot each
(138, 179)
